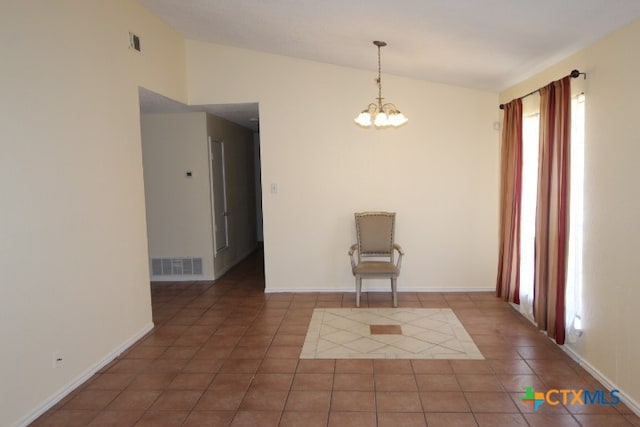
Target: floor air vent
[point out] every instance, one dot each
(176, 266)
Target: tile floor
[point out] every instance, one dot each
(228, 355)
(387, 333)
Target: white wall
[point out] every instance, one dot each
(179, 208)
(73, 247)
(439, 172)
(609, 345)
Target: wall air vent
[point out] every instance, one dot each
(134, 42)
(176, 266)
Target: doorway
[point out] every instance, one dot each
(217, 175)
(202, 186)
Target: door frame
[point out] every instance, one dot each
(212, 185)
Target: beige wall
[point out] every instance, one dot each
(73, 247)
(179, 208)
(609, 344)
(439, 172)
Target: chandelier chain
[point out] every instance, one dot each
(379, 81)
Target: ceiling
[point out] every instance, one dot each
(245, 114)
(480, 44)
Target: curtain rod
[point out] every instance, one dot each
(573, 74)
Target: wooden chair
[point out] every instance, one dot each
(375, 251)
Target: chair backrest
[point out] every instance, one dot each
(375, 233)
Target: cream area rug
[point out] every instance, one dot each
(387, 333)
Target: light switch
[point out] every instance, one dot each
(274, 188)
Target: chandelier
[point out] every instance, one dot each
(380, 114)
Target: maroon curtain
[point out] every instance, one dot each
(552, 211)
(508, 281)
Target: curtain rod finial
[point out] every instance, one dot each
(575, 73)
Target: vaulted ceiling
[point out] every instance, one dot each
(480, 44)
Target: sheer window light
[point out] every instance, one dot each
(573, 302)
(530, 144)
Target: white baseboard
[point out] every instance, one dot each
(610, 385)
(64, 391)
(387, 289)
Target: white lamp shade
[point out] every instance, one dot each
(398, 119)
(381, 119)
(363, 119)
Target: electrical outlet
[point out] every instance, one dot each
(57, 359)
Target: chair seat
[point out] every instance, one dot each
(374, 268)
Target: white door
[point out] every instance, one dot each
(218, 195)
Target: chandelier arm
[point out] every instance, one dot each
(390, 107)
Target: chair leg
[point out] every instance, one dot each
(394, 291)
(358, 288)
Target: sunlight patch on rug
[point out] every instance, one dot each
(387, 333)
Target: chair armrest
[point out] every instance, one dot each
(398, 248)
(352, 249)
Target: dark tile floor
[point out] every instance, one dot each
(226, 354)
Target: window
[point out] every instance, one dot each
(530, 145)
(576, 221)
